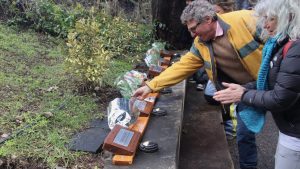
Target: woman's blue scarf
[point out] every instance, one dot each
(254, 118)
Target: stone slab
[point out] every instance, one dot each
(91, 139)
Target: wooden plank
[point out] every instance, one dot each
(164, 130)
(139, 126)
(150, 104)
(142, 121)
(122, 140)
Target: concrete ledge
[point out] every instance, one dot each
(203, 144)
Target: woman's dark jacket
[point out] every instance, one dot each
(282, 97)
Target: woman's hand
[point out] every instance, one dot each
(231, 94)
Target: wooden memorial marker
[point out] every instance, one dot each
(122, 140)
(166, 56)
(166, 53)
(125, 150)
(155, 70)
(139, 126)
(165, 62)
(150, 101)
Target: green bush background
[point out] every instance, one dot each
(45, 38)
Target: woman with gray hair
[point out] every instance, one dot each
(277, 87)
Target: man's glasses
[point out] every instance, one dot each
(193, 29)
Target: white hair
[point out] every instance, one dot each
(287, 13)
(197, 10)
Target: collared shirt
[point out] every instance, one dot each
(228, 60)
(219, 30)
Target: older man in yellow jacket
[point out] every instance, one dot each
(229, 48)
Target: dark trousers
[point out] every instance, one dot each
(246, 146)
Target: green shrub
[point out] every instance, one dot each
(54, 19)
(123, 38)
(96, 38)
(42, 15)
(97, 41)
(87, 56)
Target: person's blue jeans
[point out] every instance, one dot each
(246, 145)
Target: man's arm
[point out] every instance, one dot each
(188, 64)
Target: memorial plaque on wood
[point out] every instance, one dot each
(166, 53)
(122, 141)
(165, 61)
(148, 105)
(155, 70)
(143, 107)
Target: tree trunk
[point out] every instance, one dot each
(166, 16)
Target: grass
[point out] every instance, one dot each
(33, 80)
(119, 68)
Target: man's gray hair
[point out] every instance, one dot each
(197, 10)
(287, 14)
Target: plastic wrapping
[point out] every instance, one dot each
(129, 82)
(153, 54)
(124, 111)
(118, 112)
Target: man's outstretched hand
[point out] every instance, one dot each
(142, 92)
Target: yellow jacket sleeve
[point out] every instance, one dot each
(188, 64)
